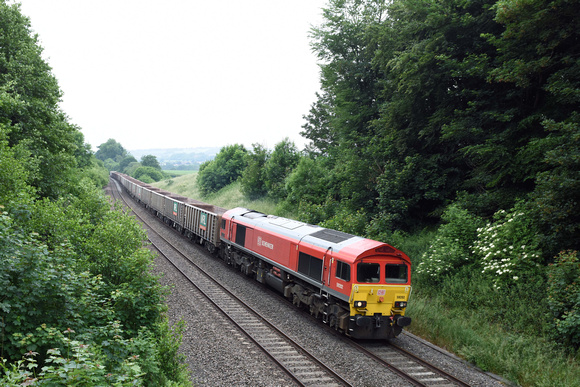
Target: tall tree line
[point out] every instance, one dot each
(31, 120)
(425, 103)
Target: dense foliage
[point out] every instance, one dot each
(50, 147)
(111, 150)
(564, 297)
(422, 100)
(78, 304)
(224, 169)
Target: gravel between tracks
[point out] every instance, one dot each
(219, 355)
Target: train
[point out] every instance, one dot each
(358, 286)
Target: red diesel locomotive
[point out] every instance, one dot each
(356, 285)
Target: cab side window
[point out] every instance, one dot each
(342, 271)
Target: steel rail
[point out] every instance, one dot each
(298, 374)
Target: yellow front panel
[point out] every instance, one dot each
(379, 298)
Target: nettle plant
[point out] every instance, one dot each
(508, 248)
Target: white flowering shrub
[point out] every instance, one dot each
(451, 249)
(508, 247)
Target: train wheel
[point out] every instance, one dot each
(296, 301)
(332, 322)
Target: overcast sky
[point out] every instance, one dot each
(181, 73)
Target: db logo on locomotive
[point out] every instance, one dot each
(265, 244)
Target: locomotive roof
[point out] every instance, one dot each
(306, 233)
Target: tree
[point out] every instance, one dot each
(29, 95)
(430, 65)
(111, 165)
(111, 150)
(282, 161)
(317, 127)
(340, 122)
(14, 192)
(125, 163)
(150, 161)
(132, 167)
(76, 292)
(226, 168)
(253, 178)
(555, 198)
(539, 50)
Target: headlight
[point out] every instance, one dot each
(360, 304)
(400, 304)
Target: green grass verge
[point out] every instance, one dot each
(179, 172)
(527, 360)
(182, 185)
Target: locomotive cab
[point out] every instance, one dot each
(379, 298)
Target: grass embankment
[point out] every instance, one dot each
(528, 360)
(228, 197)
(475, 329)
(178, 172)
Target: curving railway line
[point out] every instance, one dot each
(299, 362)
(302, 366)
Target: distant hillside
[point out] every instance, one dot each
(178, 157)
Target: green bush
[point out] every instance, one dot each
(308, 182)
(564, 298)
(153, 174)
(76, 265)
(226, 168)
(81, 365)
(352, 222)
(97, 173)
(253, 177)
(451, 249)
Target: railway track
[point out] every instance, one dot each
(402, 361)
(303, 367)
(399, 361)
